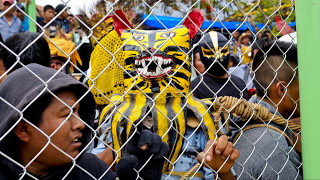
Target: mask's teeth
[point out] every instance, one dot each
(160, 61)
(136, 62)
(158, 71)
(143, 63)
(154, 58)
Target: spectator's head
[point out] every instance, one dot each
(276, 77)
(20, 13)
(244, 39)
(37, 52)
(64, 14)
(49, 12)
(248, 31)
(60, 48)
(45, 112)
(236, 35)
(234, 60)
(259, 44)
(57, 62)
(267, 34)
(215, 53)
(71, 18)
(5, 5)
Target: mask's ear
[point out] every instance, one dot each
(194, 21)
(120, 22)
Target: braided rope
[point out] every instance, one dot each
(247, 110)
(190, 171)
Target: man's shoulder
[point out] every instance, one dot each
(261, 138)
(255, 132)
(201, 78)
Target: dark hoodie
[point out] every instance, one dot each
(16, 93)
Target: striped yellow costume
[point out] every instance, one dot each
(156, 87)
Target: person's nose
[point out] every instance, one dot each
(77, 123)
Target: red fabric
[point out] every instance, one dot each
(120, 22)
(194, 21)
(286, 30)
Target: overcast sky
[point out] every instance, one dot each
(74, 4)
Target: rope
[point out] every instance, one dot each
(190, 171)
(247, 110)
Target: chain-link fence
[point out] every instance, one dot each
(150, 88)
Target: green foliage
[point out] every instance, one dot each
(261, 11)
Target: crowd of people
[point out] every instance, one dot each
(55, 22)
(48, 117)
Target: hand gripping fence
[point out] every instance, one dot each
(149, 84)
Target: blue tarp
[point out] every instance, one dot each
(170, 22)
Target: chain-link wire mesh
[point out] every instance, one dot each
(150, 66)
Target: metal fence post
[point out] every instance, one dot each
(308, 25)
(32, 12)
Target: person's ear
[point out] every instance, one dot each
(21, 131)
(281, 88)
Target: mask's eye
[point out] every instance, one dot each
(208, 52)
(138, 37)
(168, 35)
(224, 50)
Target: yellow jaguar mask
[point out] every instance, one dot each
(156, 80)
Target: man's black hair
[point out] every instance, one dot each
(260, 43)
(47, 7)
(275, 62)
(266, 31)
(38, 52)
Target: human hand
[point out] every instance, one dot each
(218, 152)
